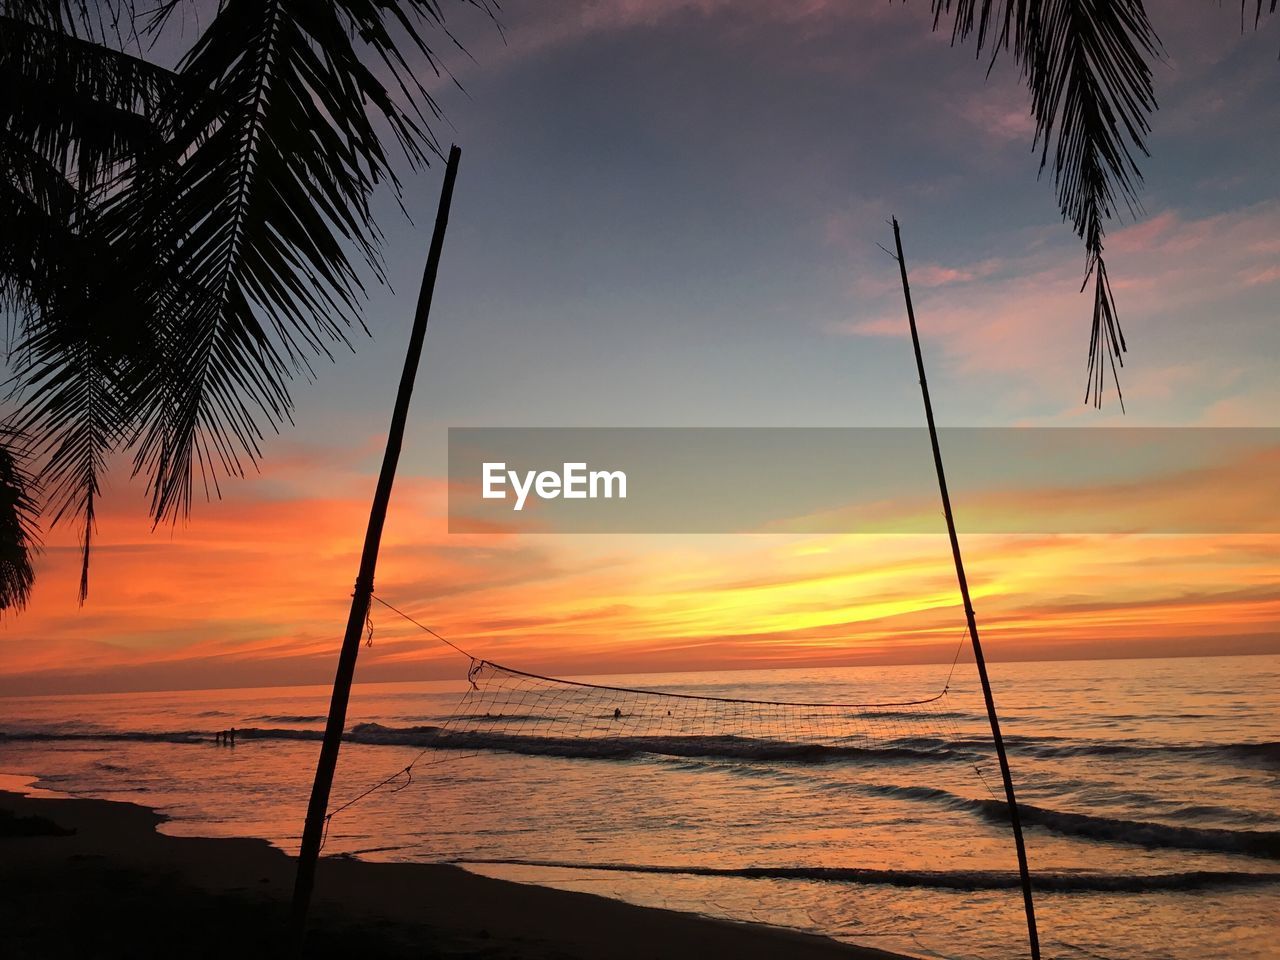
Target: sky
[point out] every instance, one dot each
(668, 214)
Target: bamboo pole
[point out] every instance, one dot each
(313, 833)
(1032, 934)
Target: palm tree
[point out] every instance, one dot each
(1087, 64)
(181, 243)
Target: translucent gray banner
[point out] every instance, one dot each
(863, 480)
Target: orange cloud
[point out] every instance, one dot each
(255, 592)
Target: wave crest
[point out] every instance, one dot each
(1059, 882)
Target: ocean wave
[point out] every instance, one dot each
(131, 736)
(1142, 833)
(1265, 753)
(1057, 882)
(1259, 843)
(627, 747)
(727, 747)
(159, 736)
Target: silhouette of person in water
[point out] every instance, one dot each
(617, 713)
(217, 737)
(232, 733)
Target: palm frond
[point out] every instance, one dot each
(83, 107)
(1092, 90)
(19, 528)
(1259, 7)
(184, 243)
(79, 118)
(108, 22)
(77, 415)
(269, 218)
(72, 362)
(37, 206)
(1087, 65)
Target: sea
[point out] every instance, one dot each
(1149, 792)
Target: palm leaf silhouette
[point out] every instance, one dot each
(190, 240)
(1087, 64)
(79, 111)
(18, 526)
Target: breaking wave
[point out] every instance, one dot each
(1058, 882)
(725, 747)
(1265, 753)
(1254, 843)
(627, 747)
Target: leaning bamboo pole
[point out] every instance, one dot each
(313, 832)
(1028, 903)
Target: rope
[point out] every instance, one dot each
(378, 786)
(423, 626)
(956, 659)
(479, 662)
(695, 696)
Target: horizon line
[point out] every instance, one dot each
(640, 673)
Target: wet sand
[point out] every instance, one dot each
(116, 888)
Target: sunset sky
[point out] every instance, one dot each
(667, 215)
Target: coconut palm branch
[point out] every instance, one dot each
(1087, 64)
(190, 240)
(19, 537)
(1260, 6)
(268, 220)
(79, 111)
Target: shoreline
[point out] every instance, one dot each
(117, 887)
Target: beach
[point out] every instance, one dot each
(115, 887)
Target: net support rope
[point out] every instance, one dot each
(508, 710)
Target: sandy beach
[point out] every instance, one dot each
(115, 887)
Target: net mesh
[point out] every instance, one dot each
(508, 710)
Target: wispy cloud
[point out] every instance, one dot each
(1025, 318)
